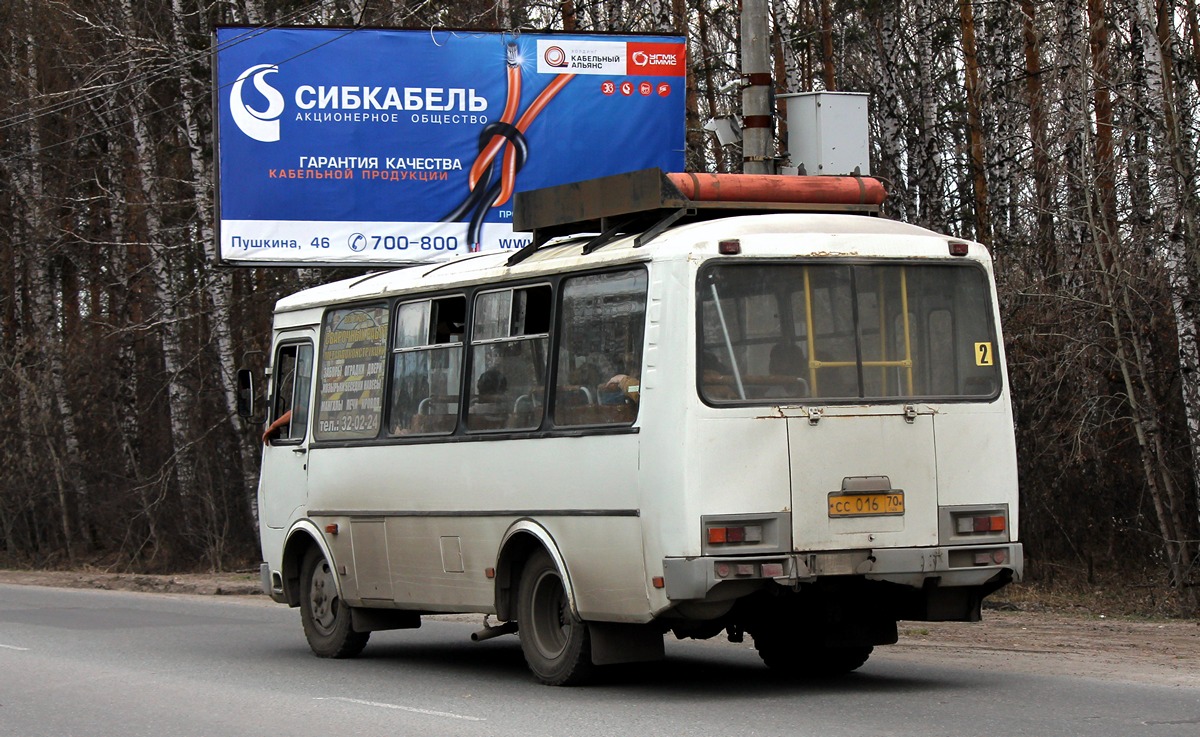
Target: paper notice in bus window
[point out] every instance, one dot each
(353, 354)
(983, 354)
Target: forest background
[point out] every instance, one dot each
(1061, 134)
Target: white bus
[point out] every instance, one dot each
(792, 425)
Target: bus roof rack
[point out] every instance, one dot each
(649, 201)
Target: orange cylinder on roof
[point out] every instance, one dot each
(779, 188)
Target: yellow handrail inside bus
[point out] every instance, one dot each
(813, 363)
(906, 363)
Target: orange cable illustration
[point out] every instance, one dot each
(502, 134)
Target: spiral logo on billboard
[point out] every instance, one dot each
(555, 57)
(261, 125)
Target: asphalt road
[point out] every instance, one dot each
(83, 663)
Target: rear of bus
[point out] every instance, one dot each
(851, 435)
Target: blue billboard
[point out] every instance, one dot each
(361, 146)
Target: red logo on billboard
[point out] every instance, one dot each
(657, 59)
(607, 87)
(664, 89)
(645, 88)
(627, 88)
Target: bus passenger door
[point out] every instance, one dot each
(283, 479)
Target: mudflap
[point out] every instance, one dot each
(958, 603)
(614, 642)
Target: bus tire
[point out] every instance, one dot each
(325, 617)
(836, 661)
(794, 659)
(555, 642)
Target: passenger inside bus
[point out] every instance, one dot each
(786, 366)
(620, 389)
(273, 428)
(283, 399)
(448, 331)
(491, 386)
(624, 386)
(787, 359)
(490, 407)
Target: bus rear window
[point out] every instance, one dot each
(793, 332)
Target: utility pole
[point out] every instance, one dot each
(757, 123)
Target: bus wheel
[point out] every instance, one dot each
(792, 658)
(555, 643)
(836, 661)
(325, 617)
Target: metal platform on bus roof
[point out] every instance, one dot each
(646, 202)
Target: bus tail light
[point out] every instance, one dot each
(974, 524)
(751, 534)
(982, 523)
(743, 534)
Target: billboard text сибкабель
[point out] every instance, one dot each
(342, 146)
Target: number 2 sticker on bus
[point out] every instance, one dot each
(983, 354)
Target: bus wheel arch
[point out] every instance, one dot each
(523, 541)
(302, 538)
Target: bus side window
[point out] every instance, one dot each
(509, 344)
(600, 349)
(293, 379)
(426, 366)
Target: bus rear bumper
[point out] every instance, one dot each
(690, 579)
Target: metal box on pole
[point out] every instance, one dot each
(828, 133)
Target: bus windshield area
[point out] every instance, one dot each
(788, 332)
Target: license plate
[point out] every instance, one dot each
(866, 505)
